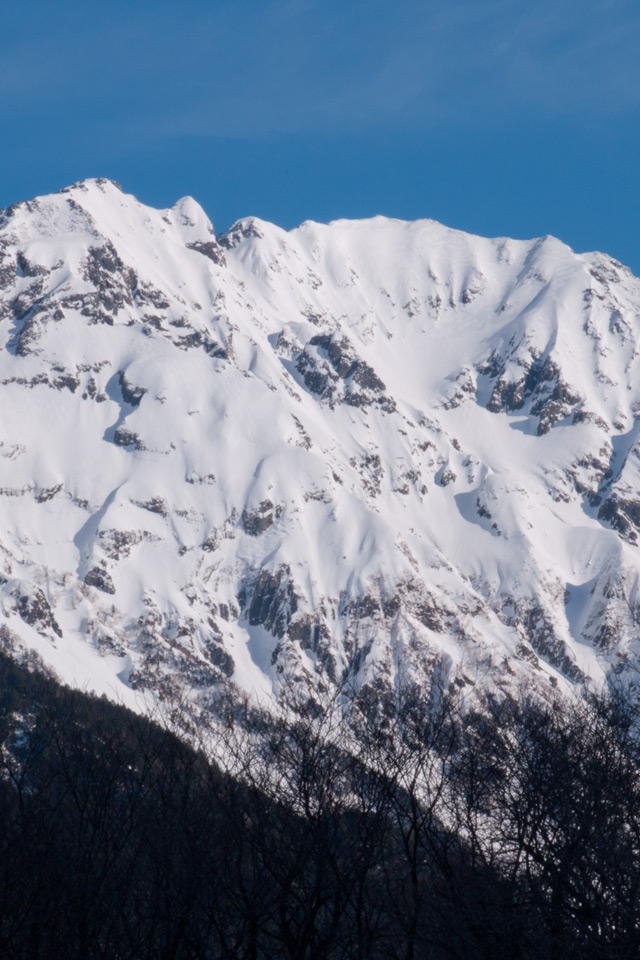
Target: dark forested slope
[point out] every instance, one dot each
(513, 833)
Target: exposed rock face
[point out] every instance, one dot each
(99, 579)
(623, 515)
(540, 382)
(334, 373)
(255, 522)
(270, 601)
(34, 608)
(211, 249)
(359, 452)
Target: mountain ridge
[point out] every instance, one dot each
(367, 450)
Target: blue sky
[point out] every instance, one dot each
(516, 117)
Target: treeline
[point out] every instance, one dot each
(409, 831)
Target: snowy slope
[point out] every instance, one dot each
(372, 449)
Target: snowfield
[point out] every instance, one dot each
(373, 450)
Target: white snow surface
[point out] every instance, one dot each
(371, 450)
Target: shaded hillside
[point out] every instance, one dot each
(509, 834)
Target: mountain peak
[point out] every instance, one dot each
(359, 451)
(103, 184)
(192, 220)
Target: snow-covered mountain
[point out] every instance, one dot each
(372, 449)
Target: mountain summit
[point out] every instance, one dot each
(368, 450)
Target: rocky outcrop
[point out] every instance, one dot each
(99, 578)
(35, 609)
(536, 381)
(332, 371)
(269, 601)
